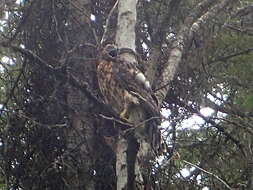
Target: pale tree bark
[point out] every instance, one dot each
(127, 162)
(192, 24)
(132, 146)
(127, 165)
(152, 63)
(125, 34)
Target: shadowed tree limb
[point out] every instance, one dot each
(185, 34)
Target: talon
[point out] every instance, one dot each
(123, 115)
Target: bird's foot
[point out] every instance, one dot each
(124, 115)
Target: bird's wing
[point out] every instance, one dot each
(126, 73)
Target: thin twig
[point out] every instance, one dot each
(217, 177)
(117, 120)
(30, 53)
(238, 29)
(56, 22)
(5, 104)
(146, 120)
(225, 58)
(107, 27)
(21, 115)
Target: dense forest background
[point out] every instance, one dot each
(55, 132)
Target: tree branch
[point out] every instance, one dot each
(225, 58)
(186, 32)
(201, 169)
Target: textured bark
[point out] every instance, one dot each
(127, 170)
(185, 34)
(61, 94)
(80, 143)
(80, 134)
(132, 148)
(152, 64)
(125, 35)
(121, 163)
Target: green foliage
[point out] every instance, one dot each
(216, 73)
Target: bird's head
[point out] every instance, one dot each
(110, 52)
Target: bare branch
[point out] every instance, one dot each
(111, 24)
(186, 32)
(207, 172)
(225, 58)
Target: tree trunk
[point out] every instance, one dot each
(128, 171)
(80, 133)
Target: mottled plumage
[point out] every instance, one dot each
(123, 84)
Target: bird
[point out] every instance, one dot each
(123, 85)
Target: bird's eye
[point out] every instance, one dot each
(113, 52)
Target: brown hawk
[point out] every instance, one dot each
(123, 85)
